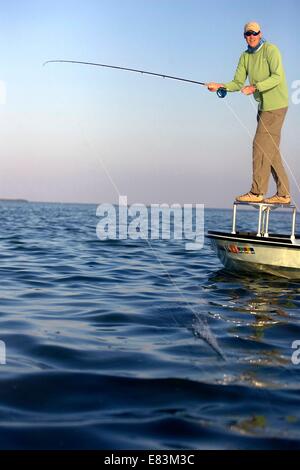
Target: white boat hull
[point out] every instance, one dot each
(275, 255)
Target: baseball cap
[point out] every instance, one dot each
(252, 26)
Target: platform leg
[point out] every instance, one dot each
(234, 220)
(267, 219)
(259, 221)
(293, 236)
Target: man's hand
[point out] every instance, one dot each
(212, 86)
(248, 90)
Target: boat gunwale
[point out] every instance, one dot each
(254, 239)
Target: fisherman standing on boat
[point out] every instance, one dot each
(262, 63)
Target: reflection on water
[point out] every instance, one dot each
(257, 307)
(251, 426)
(262, 317)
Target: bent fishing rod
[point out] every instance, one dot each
(221, 92)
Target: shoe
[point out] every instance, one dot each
(278, 199)
(250, 197)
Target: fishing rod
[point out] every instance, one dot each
(221, 92)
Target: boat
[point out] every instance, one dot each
(260, 251)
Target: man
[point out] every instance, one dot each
(262, 63)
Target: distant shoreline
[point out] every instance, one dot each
(14, 200)
(26, 201)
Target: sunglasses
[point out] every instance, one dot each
(251, 33)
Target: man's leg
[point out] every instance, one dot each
(266, 153)
(261, 165)
(277, 169)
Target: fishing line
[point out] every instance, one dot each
(200, 329)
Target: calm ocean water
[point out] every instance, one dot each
(109, 349)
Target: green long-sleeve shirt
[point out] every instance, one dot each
(265, 70)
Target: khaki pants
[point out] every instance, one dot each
(266, 153)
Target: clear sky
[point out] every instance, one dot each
(160, 141)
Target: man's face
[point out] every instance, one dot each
(252, 40)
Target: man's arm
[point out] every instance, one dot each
(239, 78)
